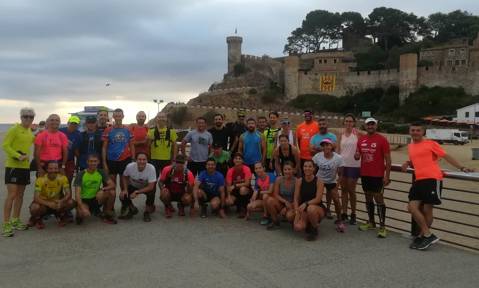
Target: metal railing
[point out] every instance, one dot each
(456, 221)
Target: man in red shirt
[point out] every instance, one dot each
(140, 134)
(426, 187)
(176, 184)
(304, 132)
(373, 149)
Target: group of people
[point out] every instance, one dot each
(258, 165)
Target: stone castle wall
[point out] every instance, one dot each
(462, 77)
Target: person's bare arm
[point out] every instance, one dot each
(240, 144)
(297, 189)
(456, 164)
(103, 155)
(183, 147)
(39, 200)
(132, 150)
(297, 161)
(277, 165)
(196, 191)
(387, 173)
(174, 150)
(263, 149)
(124, 180)
(38, 148)
(143, 190)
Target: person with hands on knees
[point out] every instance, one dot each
(138, 178)
(210, 187)
(374, 152)
(262, 189)
(93, 190)
(238, 185)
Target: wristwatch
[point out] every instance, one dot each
(63, 166)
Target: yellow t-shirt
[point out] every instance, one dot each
(51, 189)
(160, 149)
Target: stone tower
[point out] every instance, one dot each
(291, 85)
(407, 75)
(234, 51)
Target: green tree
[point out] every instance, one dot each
(455, 24)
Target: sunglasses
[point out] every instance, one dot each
(28, 116)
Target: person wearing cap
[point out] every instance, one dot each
(51, 145)
(140, 134)
(16, 145)
(90, 142)
(176, 184)
(374, 152)
(220, 132)
(238, 185)
(235, 130)
(330, 166)
(221, 157)
(270, 135)
(304, 132)
(252, 145)
(287, 131)
(74, 138)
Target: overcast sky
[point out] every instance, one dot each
(57, 55)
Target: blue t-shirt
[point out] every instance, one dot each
(317, 138)
(74, 139)
(211, 183)
(118, 143)
(251, 147)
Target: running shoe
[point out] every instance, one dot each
(133, 210)
(204, 211)
(78, 220)
(17, 224)
(68, 216)
(367, 226)
(108, 219)
(7, 230)
(311, 234)
(181, 210)
(31, 221)
(415, 243)
(344, 217)
(168, 212)
(146, 217)
(242, 213)
(265, 221)
(273, 226)
(382, 232)
(328, 214)
(123, 211)
(352, 219)
(427, 241)
(340, 227)
(39, 224)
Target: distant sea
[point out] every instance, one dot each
(4, 127)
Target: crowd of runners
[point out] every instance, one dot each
(252, 165)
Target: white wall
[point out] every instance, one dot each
(472, 110)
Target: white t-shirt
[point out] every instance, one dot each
(327, 168)
(140, 179)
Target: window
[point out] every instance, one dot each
(325, 61)
(335, 61)
(452, 52)
(476, 114)
(449, 62)
(457, 62)
(320, 61)
(466, 115)
(463, 62)
(462, 51)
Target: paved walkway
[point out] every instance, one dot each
(184, 252)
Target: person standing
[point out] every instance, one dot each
(270, 135)
(374, 152)
(140, 134)
(288, 132)
(103, 119)
(348, 142)
(252, 145)
(304, 132)
(90, 143)
(74, 138)
(426, 188)
(235, 130)
(162, 143)
(262, 124)
(16, 145)
(219, 132)
(201, 141)
(51, 145)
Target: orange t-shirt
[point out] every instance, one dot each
(424, 156)
(304, 133)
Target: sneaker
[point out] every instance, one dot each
(68, 216)
(7, 230)
(344, 217)
(415, 243)
(39, 224)
(367, 226)
(133, 210)
(328, 214)
(31, 221)
(204, 211)
(181, 210)
(109, 219)
(265, 221)
(311, 234)
(17, 224)
(272, 226)
(125, 210)
(352, 219)
(340, 227)
(242, 213)
(168, 212)
(427, 241)
(146, 217)
(78, 220)
(382, 232)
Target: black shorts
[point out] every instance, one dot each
(118, 167)
(330, 186)
(372, 184)
(159, 165)
(209, 194)
(196, 167)
(93, 205)
(428, 191)
(18, 176)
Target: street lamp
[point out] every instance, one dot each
(158, 101)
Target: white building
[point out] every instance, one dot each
(468, 114)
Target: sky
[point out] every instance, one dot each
(57, 56)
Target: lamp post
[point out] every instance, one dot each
(158, 101)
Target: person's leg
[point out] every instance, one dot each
(149, 205)
(165, 197)
(37, 211)
(414, 208)
(427, 211)
(186, 200)
(337, 204)
(328, 204)
(255, 206)
(12, 194)
(273, 206)
(300, 221)
(344, 195)
(351, 184)
(381, 207)
(243, 198)
(215, 203)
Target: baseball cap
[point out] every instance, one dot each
(371, 119)
(217, 145)
(326, 140)
(74, 120)
(180, 159)
(90, 119)
(241, 113)
(285, 121)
